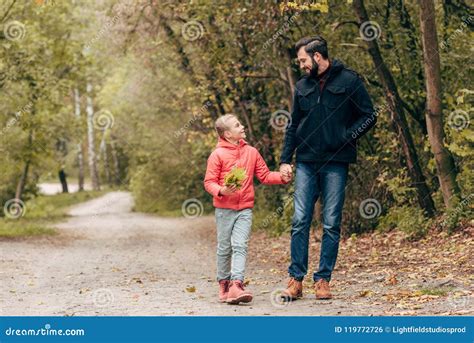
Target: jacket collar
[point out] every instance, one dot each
(311, 83)
(223, 143)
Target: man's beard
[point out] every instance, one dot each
(314, 68)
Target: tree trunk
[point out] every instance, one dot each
(20, 187)
(115, 159)
(434, 119)
(22, 182)
(90, 138)
(63, 180)
(103, 151)
(190, 72)
(80, 151)
(399, 120)
(291, 77)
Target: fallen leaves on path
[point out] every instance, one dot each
(433, 275)
(191, 289)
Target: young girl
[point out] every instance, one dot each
(234, 204)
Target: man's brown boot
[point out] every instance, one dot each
(321, 288)
(293, 291)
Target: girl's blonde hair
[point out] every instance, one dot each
(221, 124)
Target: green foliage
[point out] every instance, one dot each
(408, 219)
(235, 177)
(404, 196)
(461, 210)
(165, 90)
(26, 229)
(40, 212)
(55, 206)
(250, 84)
(434, 291)
(164, 181)
(460, 133)
(36, 74)
(274, 219)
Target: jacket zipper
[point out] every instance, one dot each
(324, 86)
(238, 160)
(319, 100)
(321, 90)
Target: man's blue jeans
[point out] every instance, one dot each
(311, 180)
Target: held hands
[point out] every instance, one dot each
(285, 177)
(286, 172)
(227, 190)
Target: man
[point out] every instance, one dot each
(331, 110)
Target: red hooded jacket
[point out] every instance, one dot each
(223, 159)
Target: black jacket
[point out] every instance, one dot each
(325, 125)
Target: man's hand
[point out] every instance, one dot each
(285, 178)
(227, 190)
(286, 172)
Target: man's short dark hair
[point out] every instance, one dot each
(312, 45)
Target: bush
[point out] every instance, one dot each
(40, 212)
(161, 185)
(408, 219)
(274, 219)
(459, 211)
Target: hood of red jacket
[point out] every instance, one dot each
(222, 143)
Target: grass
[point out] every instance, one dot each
(158, 209)
(42, 211)
(163, 209)
(18, 229)
(434, 291)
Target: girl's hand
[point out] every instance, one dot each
(227, 190)
(286, 178)
(286, 170)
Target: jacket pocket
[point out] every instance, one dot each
(304, 103)
(307, 99)
(335, 97)
(333, 137)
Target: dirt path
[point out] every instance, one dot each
(108, 260)
(51, 188)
